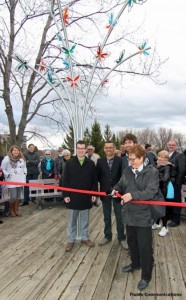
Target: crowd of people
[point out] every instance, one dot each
(136, 172)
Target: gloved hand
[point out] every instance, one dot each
(56, 177)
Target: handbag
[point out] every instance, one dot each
(170, 190)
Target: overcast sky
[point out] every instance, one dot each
(142, 103)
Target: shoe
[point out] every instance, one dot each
(172, 224)
(68, 246)
(156, 226)
(24, 203)
(1, 222)
(88, 243)
(103, 242)
(129, 268)
(163, 231)
(142, 284)
(124, 244)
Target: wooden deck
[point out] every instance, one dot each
(34, 265)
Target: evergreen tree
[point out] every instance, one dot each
(116, 141)
(107, 133)
(96, 138)
(87, 136)
(69, 140)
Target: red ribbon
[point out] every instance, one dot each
(56, 187)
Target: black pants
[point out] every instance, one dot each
(176, 211)
(140, 244)
(26, 188)
(107, 212)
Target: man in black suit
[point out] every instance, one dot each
(179, 161)
(108, 174)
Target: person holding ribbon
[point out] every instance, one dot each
(14, 170)
(138, 182)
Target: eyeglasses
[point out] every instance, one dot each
(66, 155)
(80, 148)
(132, 159)
(47, 154)
(90, 149)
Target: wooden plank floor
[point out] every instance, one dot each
(34, 265)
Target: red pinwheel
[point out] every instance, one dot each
(42, 66)
(73, 81)
(65, 15)
(104, 82)
(100, 54)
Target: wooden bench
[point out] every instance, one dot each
(42, 193)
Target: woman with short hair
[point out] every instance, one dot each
(138, 182)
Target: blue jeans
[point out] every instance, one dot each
(26, 188)
(72, 224)
(107, 212)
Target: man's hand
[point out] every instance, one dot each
(93, 199)
(126, 198)
(113, 194)
(67, 199)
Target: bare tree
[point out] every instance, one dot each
(25, 87)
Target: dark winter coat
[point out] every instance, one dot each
(80, 177)
(106, 177)
(144, 187)
(45, 173)
(179, 162)
(57, 163)
(165, 175)
(32, 162)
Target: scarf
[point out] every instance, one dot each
(48, 163)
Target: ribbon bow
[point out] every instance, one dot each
(23, 63)
(70, 52)
(65, 15)
(121, 57)
(42, 66)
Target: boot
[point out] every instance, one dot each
(18, 214)
(12, 209)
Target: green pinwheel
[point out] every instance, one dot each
(23, 63)
(121, 57)
(69, 53)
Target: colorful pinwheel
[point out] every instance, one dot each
(142, 49)
(70, 52)
(23, 63)
(58, 37)
(112, 23)
(104, 82)
(65, 15)
(66, 64)
(130, 2)
(73, 81)
(50, 75)
(100, 54)
(121, 57)
(42, 66)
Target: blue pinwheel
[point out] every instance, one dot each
(142, 49)
(130, 2)
(112, 23)
(50, 75)
(66, 64)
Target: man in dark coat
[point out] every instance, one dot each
(108, 174)
(179, 161)
(80, 173)
(32, 162)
